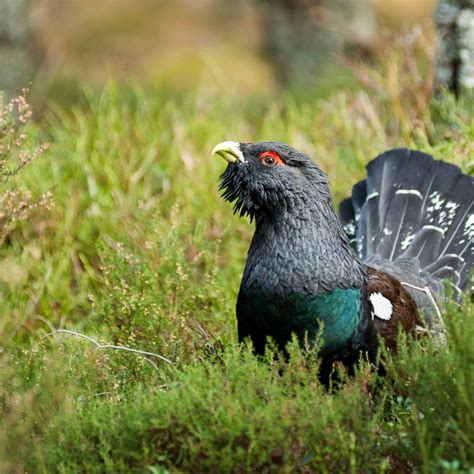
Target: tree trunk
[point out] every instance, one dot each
(301, 36)
(454, 70)
(16, 46)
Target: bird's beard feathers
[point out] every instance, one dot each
(255, 195)
(235, 183)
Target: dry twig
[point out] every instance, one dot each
(112, 346)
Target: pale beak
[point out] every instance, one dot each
(230, 151)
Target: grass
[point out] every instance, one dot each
(140, 251)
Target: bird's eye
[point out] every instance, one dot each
(270, 158)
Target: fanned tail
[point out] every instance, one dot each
(414, 217)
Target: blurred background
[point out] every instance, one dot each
(254, 47)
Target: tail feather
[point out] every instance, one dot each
(347, 217)
(402, 217)
(413, 208)
(449, 261)
(425, 246)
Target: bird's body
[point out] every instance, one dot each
(279, 296)
(309, 273)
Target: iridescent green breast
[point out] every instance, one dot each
(340, 312)
(278, 316)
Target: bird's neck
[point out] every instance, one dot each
(303, 250)
(300, 271)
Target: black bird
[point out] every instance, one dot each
(380, 266)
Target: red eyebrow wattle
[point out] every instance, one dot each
(273, 154)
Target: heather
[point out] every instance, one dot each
(116, 231)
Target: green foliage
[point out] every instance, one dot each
(236, 413)
(169, 288)
(140, 251)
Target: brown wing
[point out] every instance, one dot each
(391, 306)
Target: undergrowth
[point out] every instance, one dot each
(139, 251)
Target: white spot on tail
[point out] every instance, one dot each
(469, 227)
(435, 201)
(350, 228)
(440, 211)
(414, 192)
(434, 227)
(382, 306)
(453, 255)
(371, 196)
(406, 241)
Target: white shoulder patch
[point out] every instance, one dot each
(382, 306)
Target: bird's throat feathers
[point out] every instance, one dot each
(303, 251)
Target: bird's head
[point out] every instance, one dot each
(268, 177)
